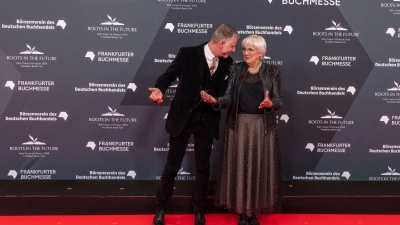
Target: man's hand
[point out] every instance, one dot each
(208, 98)
(266, 103)
(156, 95)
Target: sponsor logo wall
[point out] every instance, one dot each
(74, 101)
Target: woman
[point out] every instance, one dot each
(250, 179)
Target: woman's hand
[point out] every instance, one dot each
(266, 103)
(208, 98)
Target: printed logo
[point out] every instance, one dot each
(314, 59)
(392, 63)
(31, 51)
(33, 141)
(395, 120)
(90, 55)
(182, 172)
(397, 88)
(189, 28)
(336, 27)
(393, 7)
(386, 149)
(392, 32)
(170, 92)
(122, 57)
(42, 116)
(107, 175)
(329, 147)
(310, 146)
(32, 85)
(107, 88)
(391, 95)
(390, 175)
(132, 86)
(331, 122)
(112, 22)
(12, 173)
(351, 89)
(332, 176)
(189, 148)
(32, 58)
(384, 119)
(33, 174)
(285, 118)
(35, 25)
(63, 115)
(132, 174)
(112, 112)
(170, 27)
(391, 172)
(112, 120)
(331, 116)
(268, 60)
(288, 29)
(111, 146)
(112, 29)
(182, 175)
(33, 149)
(346, 174)
(169, 59)
(176, 5)
(62, 24)
(311, 2)
(10, 84)
(335, 34)
(91, 145)
(334, 60)
(266, 30)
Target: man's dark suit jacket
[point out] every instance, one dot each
(189, 65)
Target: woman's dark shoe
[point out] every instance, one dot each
(243, 219)
(253, 220)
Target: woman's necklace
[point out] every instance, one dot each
(253, 71)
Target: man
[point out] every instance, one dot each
(199, 68)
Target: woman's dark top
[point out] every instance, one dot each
(251, 95)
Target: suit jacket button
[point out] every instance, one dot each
(199, 87)
(190, 110)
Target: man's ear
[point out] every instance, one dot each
(222, 43)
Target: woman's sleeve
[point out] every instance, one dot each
(226, 100)
(275, 94)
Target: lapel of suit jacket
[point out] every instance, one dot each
(201, 60)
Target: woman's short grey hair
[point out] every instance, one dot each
(257, 41)
(224, 32)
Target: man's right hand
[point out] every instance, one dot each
(156, 95)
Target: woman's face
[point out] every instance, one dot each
(250, 55)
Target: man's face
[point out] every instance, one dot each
(226, 47)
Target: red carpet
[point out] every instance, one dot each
(212, 219)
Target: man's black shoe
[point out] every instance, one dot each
(199, 219)
(159, 218)
(253, 220)
(243, 219)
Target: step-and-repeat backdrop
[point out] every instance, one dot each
(74, 76)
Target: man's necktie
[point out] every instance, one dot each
(212, 67)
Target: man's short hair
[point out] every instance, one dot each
(224, 32)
